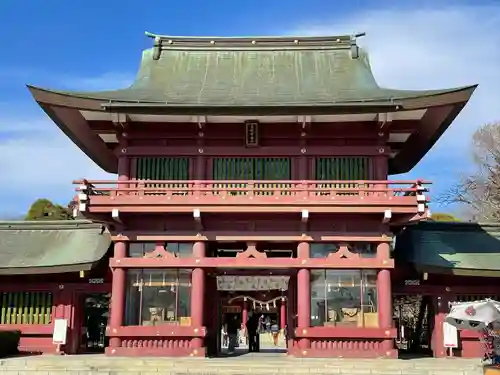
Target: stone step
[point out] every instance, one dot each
(100, 365)
(249, 370)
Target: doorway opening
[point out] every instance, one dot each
(95, 320)
(252, 322)
(414, 320)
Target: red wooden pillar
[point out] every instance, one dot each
(441, 309)
(117, 307)
(197, 294)
(244, 314)
(385, 298)
(123, 162)
(283, 313)
(63, 308)
(303, 294)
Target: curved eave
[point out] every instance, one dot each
(110, 101)
(472, 272)
(443, 107)
(442, 111)
(64, 111)
(11, 271)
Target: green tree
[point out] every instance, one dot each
(441, 216)
(44, 209)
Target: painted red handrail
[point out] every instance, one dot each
(371, 182)
(269, 187)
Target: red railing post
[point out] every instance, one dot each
(196, 189)
(305, 188)
(140, 187)
(251, 188)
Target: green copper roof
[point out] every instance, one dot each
(51, 246)
(245, 72)
(460, 247)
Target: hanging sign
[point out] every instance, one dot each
(249, 283)
(450, 336)
(413, 282)
(60, 331)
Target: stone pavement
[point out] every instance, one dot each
(258, 363)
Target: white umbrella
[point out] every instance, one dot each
(475, 315)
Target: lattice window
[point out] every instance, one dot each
(26, 307)
(341, 169)
(244, 169)
(163, 168)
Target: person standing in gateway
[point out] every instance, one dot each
(233, 325)
(253, 335)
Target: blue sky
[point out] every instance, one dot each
(88, 45)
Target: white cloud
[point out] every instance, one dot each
(426, 48)
(433, 48)
(39, 161)
(106, 81)
(17, 76)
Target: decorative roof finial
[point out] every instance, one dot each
(354, 47)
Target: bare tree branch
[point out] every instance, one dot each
(480, 191)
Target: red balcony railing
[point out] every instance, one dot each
(250, 193)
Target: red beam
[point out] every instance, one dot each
(164, 330)
(147, 351)
(347, 208)
(345, 332)
(251, 263)
(344, 352)
(29, 329)
(469, 335)
(288, 151)
(152, 236)
(346, 131)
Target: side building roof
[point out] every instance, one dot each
(41, 247)
(469, 249)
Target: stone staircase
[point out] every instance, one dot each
(258, 363)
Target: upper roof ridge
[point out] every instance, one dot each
(268, 39)
(164, 42)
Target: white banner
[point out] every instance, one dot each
(450, 336)
(248, 283)
(60, 331)
(475, 315)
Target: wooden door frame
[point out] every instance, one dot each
(79, 295)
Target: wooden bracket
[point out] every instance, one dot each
(343, 253)
(304, 226)
(387, 216)
(197, 219)
(120, 120)
(115, 214)
(160, 251)
(200, 120)
(409, 219)
(384, 121)
(251, 252)
(305, 121)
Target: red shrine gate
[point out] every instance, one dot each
(260, 145)
(359, 322)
